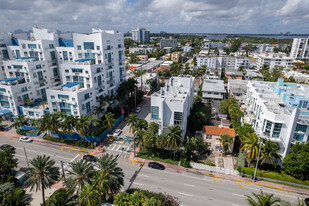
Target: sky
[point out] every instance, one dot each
(184, 16)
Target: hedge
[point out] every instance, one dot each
(274, 175)
(78, 143)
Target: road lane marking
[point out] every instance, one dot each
(279, 188)
(217, 180)
(189, 185)
(238, 195)
(49, 154)
(240, 184)
(210, 175)
(185, 194)
(141, 175)
(140, 184)
(234, 205)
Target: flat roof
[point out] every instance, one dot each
(213, 85)
(71, 84)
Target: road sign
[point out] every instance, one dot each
(127, 139)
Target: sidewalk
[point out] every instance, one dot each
(180, 169)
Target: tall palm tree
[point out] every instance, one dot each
(263, 199)
(54, 124)
(250, 146)
(62, 197)
(101, 180)
(132, 121)
(19, 121)
(68, 124)
(161, 142)
(109, 120)
(100, 110)
(43, 122)
(174, 138)
(82, 125)
(141, 125)
(94, 120)
(226, 140)
(89, 196)
(269, 152)
(79, 175)
(42, 175)
(108, 164)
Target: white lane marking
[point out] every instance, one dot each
(185, 194)
(136, 183)
(141, 175)
(234, 205)
(189, 185)
(238, 195)
(35, 151)
(74, 158)
(66, 164)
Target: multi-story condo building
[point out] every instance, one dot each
(171, 105)
(241, 62)
(141, 35)
(209, 61)
(273, 59)
(300, 48)
(213, 90)
(265, 48)
(279, 111)
(169, 43)
(218, 45)
(93, 68)
(222, 61)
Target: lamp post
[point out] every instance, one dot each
(258, 158)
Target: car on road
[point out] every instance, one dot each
(156, 165)
(117, 132)
(90, 158)
(25, 139)
(7, 146)
(138, 109)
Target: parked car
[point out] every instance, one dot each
(156, 165)
(7, 146)
(90, 158)
(25, 139)
(117, 132)
(138, 109)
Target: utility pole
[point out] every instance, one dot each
(63, 174)
(26, 156)
(257, 161)
(135, 97)
(133, 146)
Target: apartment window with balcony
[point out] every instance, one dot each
(80, 55)
(298, 137)
(88, 107)
(154, 112)
(31, 46)
(301, 128)
(88, 45)
(178, 118)
(98, 47)
(79, 47)
(277, 130)
(24, 46)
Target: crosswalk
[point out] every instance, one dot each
(117, 147)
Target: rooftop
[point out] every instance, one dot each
(71, 84)
(215, 130)
(213, 85)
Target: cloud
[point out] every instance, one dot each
(233, 16)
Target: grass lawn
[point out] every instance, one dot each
(168, 157)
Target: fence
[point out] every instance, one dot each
(90, 138)
(33, 134)
(25, 127)
(214, 169)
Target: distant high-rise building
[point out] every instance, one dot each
(300, 48)
(141, 35)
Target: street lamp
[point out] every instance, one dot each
(258, 158)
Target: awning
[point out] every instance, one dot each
(14, 117)
(5, 111)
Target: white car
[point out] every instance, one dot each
(138, 109)
(117, 133)
(25, 139)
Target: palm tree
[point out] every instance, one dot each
(68, 124)
(141, 125)
(43, 122)
(108, 164)
(174, 138)
(132, 121)
(226, 140)
(89, 196)
(109, 120)
(94, 120)
(98, 110)
(161, 142)
(19, 122)
(263, 199)
(269, 152)
(82, 125)
(54, 124)
(102, 183)
(250, 146)
(42, 175)
(79, 175)
(62, 197)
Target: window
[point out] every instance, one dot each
(31, 46)
(65, 55)
(77, 70)
(51, 46)
(73, 99)
(65, 97)
(87, 96)
(54, 103)
(301, 128)
(52, 97)
(55, 110)
(31, 113)
(52, 55)
(88, 107)
(208, 136)
(277, 129)
(79, 47)
(178, 118)
(24, 46)
(88, 45)
(98, 47)
(298, 137)
(268, 127)
(80, 55)
(154, 112)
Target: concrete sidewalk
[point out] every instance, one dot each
(180, 169)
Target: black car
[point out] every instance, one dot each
(7, 146)
(307, 201)
(156, 165)
(90, 158)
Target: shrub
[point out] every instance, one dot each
(185, 163)
(78, 143)
(21, 132)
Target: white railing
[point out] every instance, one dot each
(214, 169)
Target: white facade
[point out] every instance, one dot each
(213, 90)
(171, 105)
(273, 59)
(241, 62)
(218, 45)
(300, 48)
(265, 48)
(222, 61)
(187, 49)
(146, 79)
(279, 112)
(141, 35)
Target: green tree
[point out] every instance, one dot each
(68, 124)
(79, 175)
(7, 163)
(226, 140)
(109, 120)
(174, 138)
(262, 199)
(269, 152)
(43, 122)
(82, 125)
(225, 104)
(250, 146)
(101, 183)
(235, 45)
(109, 165)
(89, 196)
(161, 142)
(42, 174)
(150, 137)
(54, 123)
(62, 197)
(9, 195)
(296, 162)
(19, 121)
(132, 121)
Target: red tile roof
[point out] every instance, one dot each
(215, 130)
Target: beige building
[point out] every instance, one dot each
(176, 56)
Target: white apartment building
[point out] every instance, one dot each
(172, 43)
(209, 61)
(279, 111)
(93, 68)
(145, 80)
(237, 88)
(213, 90)
(218, 45)
(241, 62)
(171, 105)
(299, 77)
(300, 48)
(273, 59)
(222, 61)
(265, 48)
(141, 35)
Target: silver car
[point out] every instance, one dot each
(117, 133)
(25, 139)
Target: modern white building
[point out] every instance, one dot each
(300, 48)
(273, 59)
(93, 68)
(213, 90)
(171, 105)
(297, 76)
(222, 61)
(172, 43)
(141, 35)
(187, 49)
(209, 61)
(265, 48)
(279, 111)
(238, 89)
(145, 80)
(209, 45)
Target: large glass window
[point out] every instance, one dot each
(79, 47)
(88, 107)
(298, 137)
(65, 55)
(154, 112)
(52, 55)
(31, 46)
(301, 128)
(268, 127)
(88, 45)
(65, 97)
(178, 118)
(277, 130)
